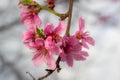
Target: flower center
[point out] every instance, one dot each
(78, 36)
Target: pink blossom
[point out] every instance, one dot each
(45, 52)
(29, 38)
(29, 16)
(71, 49)
(28, 35)
(23, 8)
(49, 30)
(84, 36)
(31, 20)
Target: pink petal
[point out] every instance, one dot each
(84, 44)
(50, 61)
(61, 27)
(63, 56)
(75, 49)
(69, 60)
(23, 8)
(48, 42)
(38, 59)
(78, 56)
(81, 24)
(39, 41)
(51, 46)
(90, 40)
(48, 28)
(30, 20)
(26, 18)
(27, 35)
(73, 40)
(37, 21)
(84, 53)
(33, 45)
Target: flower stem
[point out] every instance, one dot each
(62, 16)
(69, 17)
(51, 71)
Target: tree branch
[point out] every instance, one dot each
(69, 17)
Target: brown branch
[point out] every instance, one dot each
(69, 17)
(51, 71)
(62, 16)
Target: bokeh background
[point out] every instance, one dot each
(102, 21)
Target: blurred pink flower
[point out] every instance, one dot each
(29, 37)
(49, 28)
(55, 33)
(31, 20)
(29, 16)
(45, 52)
(84, 36)
(71, 49)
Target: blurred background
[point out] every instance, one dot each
(102, 21)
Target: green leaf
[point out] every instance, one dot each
(40, 32)
(26, 2)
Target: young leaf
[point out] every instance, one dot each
(26, 2)
(40, 32)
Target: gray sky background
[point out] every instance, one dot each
(102, 21)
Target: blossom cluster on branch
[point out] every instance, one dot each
(48, 41)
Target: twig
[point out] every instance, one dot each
(31, 75)
(69, 17)
(51, 71)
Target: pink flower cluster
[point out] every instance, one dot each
(48, 42)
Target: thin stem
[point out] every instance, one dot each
(62, 16)
(31, 75)
(51, 71)
(69, 17)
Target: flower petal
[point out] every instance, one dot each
(50, 61)
(30, 20)
(51, 46)
(90, 40)
(81, 25)
(73, 40)
(84, 44)
(48, 28)
(33, 45)
(27, 35)
(63, 56)
(78, 56)
(84, 53)
(61, 27)
(39, 41)
(38, 59)
(69, 60)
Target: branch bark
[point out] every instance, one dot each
(69, 17)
